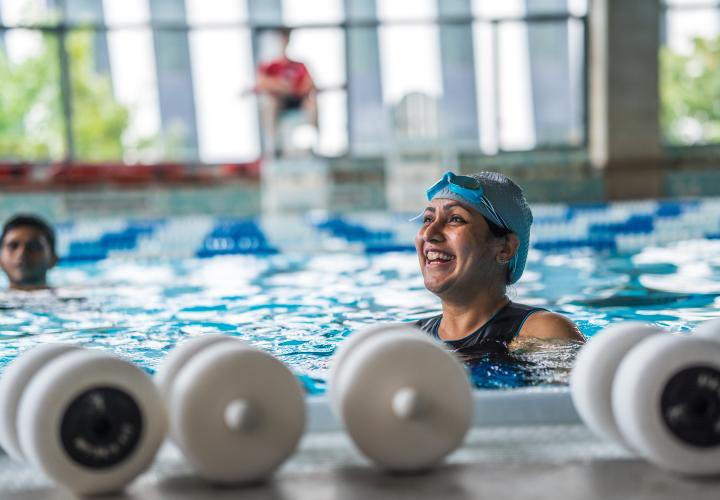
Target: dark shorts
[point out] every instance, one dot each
(289, 103)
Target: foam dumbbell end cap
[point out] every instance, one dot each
(593, 372)
(666, 401)
(91, 421)
(174, 362)
(236, 412)
(404, 399)
(346, 347)
(708, 329)
(12, 385)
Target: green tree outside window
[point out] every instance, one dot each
(31, 116)
(98, 119)
(30, 106)
(690, 93)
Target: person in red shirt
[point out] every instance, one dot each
(286, 85)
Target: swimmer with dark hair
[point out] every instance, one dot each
(27, 252)
(473, 242)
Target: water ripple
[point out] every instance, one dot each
(300, 308)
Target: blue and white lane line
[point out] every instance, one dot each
(624, 227)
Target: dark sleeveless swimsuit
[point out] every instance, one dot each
(493, 336)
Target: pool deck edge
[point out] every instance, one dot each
(491, 408)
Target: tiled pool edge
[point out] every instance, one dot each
(491, 408)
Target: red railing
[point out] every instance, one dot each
(89, 174)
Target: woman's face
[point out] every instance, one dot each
(457, 252)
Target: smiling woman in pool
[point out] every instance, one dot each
(473, 243)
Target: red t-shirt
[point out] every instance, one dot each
(291, 71)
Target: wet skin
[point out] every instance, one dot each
(458, 254)
(26, 257)
(462, 263)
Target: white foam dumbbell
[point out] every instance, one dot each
(665, 401)
(591, 379)
(236, 412)
(709, 329)
(405, 400)
(90, 421)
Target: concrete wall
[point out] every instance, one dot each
(624, 125)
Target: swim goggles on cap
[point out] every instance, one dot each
(468, 188)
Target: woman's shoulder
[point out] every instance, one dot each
(544, 324)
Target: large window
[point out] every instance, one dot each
(155, 80)
(31, 114)
(135, 84)
(530, 67)
(470, 75)
(690, 72)
(412, 81)
(222, 67)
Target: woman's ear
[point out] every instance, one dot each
(509, 249)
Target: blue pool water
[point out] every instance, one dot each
(296, 288)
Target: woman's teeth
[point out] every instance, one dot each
(433, 256)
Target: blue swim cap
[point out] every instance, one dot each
(499, 200)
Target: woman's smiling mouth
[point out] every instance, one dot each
(436, 258)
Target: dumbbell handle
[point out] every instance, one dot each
(240, 415)
(407, 404)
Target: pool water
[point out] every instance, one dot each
(299, 304)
